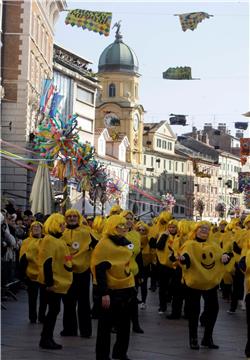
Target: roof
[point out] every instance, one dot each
(198, 147)
(118, 56)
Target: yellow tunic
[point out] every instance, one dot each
(58, 251)
(206, 269)
(78, 241)
(119, 275)
(30, 247)
(134, 237)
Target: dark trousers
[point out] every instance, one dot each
(77, 312)
(144, 284)
(118, 315)
(177, 289)
(54, 302)
(238, 288)
(247, 350)
(211, 309)
(34, 289)
(165, 277)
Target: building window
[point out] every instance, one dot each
(84, 95)
(176, 209)
(170, 165)
(176, 166)
(169, 146)
(85, 124)
(182, 167)
(152, 184)
(164, 144)
(164, 164)
(145, 160)
(112, 90)
(152, 161)
(158, 143)
(182, 210)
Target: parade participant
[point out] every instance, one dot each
(55, 273)
(115, 210)
(29, 270)
(76, 312)
(202, 262)
(147, 259)
(97, 227)
(136, 265)
(114, 286)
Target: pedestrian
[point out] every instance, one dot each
(29, 270)
(76, 310)
(114, 285)
(55, 273)
(202, 263)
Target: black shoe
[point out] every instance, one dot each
(50, 344)
(66, 333)
(86, 336)
(194, 344)
(173, 317)
(209, 343)
(121, 358)
(138, 330)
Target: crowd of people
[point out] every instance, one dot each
(99, 268)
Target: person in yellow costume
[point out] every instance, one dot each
(136, 264)
(166, 245)
(115, 210)
(244, 265)
(29, 269)
(114, 286)
(237, 240)
(76, 311)
(246, 235)
(97, 228)
(55, 272)
(158, 227)
(147, 258)
(202, 264)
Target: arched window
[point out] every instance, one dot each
(112, 90)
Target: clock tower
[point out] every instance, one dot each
(118, 107)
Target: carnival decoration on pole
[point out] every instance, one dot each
(168, 202)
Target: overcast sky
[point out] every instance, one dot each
(217, 51)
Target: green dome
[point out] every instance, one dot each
(118, 57)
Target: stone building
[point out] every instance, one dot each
(27, 59)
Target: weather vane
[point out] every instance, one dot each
(118, 26)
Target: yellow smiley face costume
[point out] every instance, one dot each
(119, 275)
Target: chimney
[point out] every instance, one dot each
(222, 127)
(194, 133)
(205, 138)
(207, 127)
(199, 135)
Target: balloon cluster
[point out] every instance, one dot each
(168, 201)
(113, 191)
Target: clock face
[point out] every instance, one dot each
(111, 120)
(136, 122)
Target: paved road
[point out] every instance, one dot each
(163, 339)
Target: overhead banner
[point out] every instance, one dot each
(177, 119)
(241, 125)
(96, 21)
(245, 146)
(178, 73)
(191, 20)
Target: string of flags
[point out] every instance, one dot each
(191, 20)
(96, 21)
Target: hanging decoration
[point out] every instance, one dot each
(191, 20)
(178, 73)
(245, 146)
(47, 91)
(177, 120)
(244, 186)
(247, 114)
(96, 21)
(137, 180)
(241, 125)
(113, 191)
(199, 173)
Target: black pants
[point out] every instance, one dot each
(165, 278)
(119, 314)
(77, 312)
(54, 302)
(177, 289)
(144, 284)
(247, 350)
(211, 309)
(34, 289)
(238, 288)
